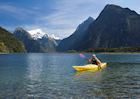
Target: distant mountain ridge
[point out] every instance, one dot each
(115, 27)
(38, 43)
(31, 45)
(38, 34)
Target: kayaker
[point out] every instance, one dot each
(95, 60)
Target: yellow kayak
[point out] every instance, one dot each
(89, 67)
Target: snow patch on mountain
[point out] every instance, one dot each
(38, 34)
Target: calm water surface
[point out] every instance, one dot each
(51, 76)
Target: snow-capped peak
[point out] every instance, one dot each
(37, 33)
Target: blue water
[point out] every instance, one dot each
(51, 76)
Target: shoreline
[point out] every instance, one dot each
(119, 53)
(77, 53)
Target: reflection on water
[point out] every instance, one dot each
(35, 66)
(88, 74)
(34, 70)
(51, 76)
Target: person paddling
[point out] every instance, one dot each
(95, 60)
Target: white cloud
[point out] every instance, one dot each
(17, 12)
(69, 14)
(53, 36)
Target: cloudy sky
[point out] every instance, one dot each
(58, 17)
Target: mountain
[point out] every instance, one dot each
(31, 45)
(36, 34)
(74, 40)
(36, 40)
(115, 27)
(8, 43)
(48, 43)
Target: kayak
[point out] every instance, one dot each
(90, 67)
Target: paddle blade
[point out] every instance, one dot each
(82, 55)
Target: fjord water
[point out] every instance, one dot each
(51, 76)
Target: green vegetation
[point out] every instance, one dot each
(121, 49)
(114, 50)
(8, 43)
(3, 48)
(72, 51)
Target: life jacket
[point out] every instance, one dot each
(94, 61)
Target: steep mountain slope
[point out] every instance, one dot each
(73, 41)
(8, 43)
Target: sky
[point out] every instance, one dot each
(54, 17)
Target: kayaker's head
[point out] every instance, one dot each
(93, 55)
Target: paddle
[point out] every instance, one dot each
(83, 56)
